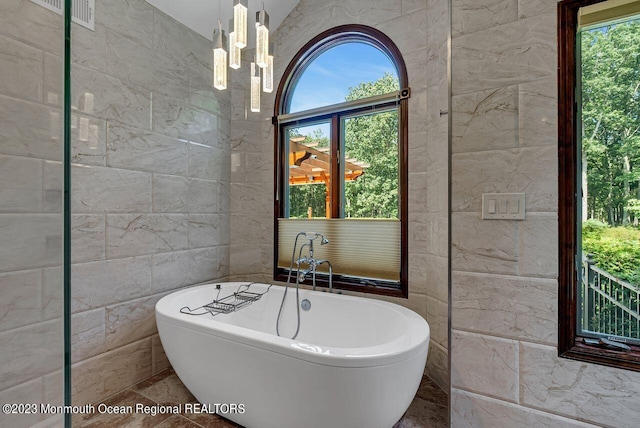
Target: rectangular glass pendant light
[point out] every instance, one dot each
(240, 9)
(219, 59)
(267, 72)
(262, 38)
(255, 87)
(235, 53)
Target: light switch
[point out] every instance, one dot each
(503, 206)
(514, 206)
(492, 206)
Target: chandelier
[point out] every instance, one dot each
(227, 51)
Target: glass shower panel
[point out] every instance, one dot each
(31, 220)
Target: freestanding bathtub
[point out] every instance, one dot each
(356, 362)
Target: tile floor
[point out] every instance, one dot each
(428, 409)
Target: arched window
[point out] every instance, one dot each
(341, 156)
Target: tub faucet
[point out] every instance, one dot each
(300, 276)
(309, 259)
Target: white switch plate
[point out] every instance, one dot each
(503, 206)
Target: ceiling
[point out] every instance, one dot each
(202, 15)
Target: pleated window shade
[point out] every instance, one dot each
(361, 248)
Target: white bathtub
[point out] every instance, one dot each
(355, 363)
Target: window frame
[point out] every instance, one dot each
(570, 342)
(310, 51)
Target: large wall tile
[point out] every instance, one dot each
(141, 150)
(407, 41)
(363, 11)
(483, 245)
(210, 162)
(102, 376)
(30, 129)
(98, 284)
(30, 241)
(89, 140)
(416, 64)
(132, 18)
(417, 273)
(184, 195)
(171, 271)
(26, 21)
(101, 190)
(528, 8)
(208, 230)
(437, 277)
(52, 292)
(139, 234)
(29, 392)
(508, 306)
(506, 171)
(176, 118)
(485, 120)
(87, 334)
(159, 358)
(438, 319)
(409, 6)
(29, 352)
(206, 264)
(469, 16)
(132, 62)
(20, 184)
(89, 48)
(438, 365)
(471, 411)
(105, 97)
(174, 40)
(484, 364)
(538, 247)
(131, 321)
(87, 237)
(505, 55)
(20, 304)
(22, 69)
(53, 179)
(538, 115)
(589, 392)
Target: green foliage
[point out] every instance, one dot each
(593, 227)
(615, 250)
(610, 58)
(372, 139)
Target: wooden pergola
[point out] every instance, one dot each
(310, 164)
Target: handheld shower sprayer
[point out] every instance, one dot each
(300, 276)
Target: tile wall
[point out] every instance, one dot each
(31, 348)
(504, 366)
(150, 191)
(150, 188)
(424, 48)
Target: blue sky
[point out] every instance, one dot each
(328, 78)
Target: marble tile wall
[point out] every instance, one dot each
(504, 366)
(31, 346)
(425, 53)
(150, 191)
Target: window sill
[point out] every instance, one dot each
(628, 360)
(347, 285)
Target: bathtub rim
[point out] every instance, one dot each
(414, 340)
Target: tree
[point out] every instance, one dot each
(611, 120)
(371, 139)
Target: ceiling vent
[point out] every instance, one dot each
(81, 10)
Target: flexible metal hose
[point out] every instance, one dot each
(284, 296)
